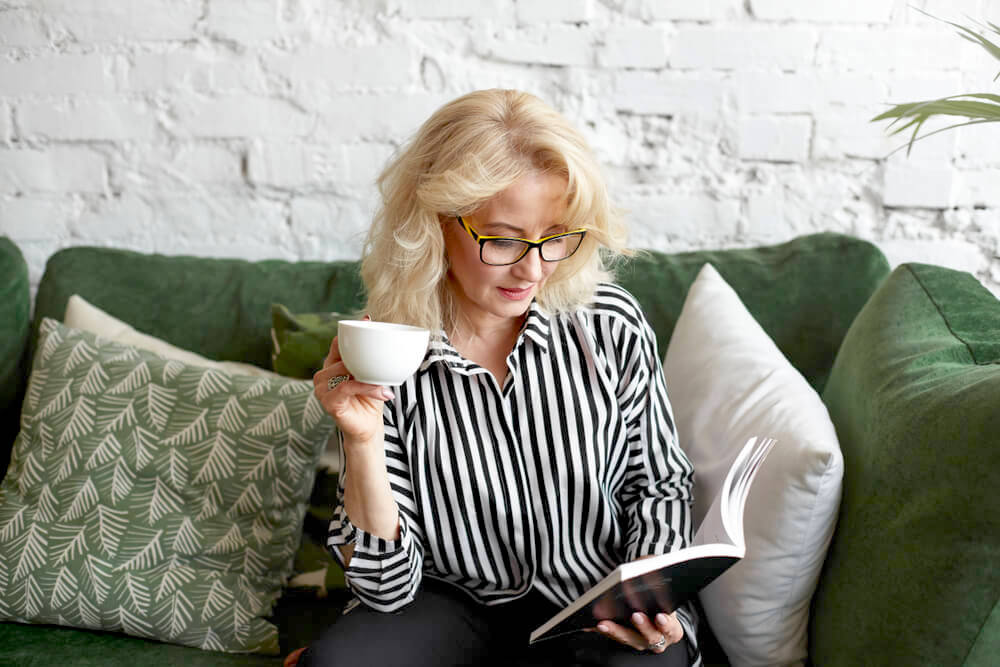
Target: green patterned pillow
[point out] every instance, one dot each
(152, 497)
(300, 342)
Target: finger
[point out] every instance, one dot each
(632, 596)
(329, 398)
(622, 635)
(649, 631)
(670, 626)
(352, 388)
(322, 376)
(334, 354)
(293, 658)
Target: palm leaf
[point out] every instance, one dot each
(968, 105)
(971, 35)
(915, 114)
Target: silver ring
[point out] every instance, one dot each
(332, 383)
(659, 644)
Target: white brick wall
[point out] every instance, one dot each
(57, 169)
(751, 46)
(774, 138)
(86, 119)
(256, 128)
(566, 11)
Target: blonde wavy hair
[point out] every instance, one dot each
(469, 151)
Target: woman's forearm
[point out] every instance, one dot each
(368, 499)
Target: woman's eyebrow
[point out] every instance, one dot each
(514, 231)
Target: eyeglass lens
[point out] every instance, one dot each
(508, 251)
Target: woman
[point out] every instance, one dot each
(534, 449)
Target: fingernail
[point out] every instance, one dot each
(604, 628)
(387, 394)
(661, 619)
(638, 619)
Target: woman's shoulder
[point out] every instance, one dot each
(614, 302)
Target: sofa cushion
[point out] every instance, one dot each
(300, 619)
(218, 308)
(804, 293)
(913, 573)
(154, 497)
(15, 318)
(728, 382)
(301, 341)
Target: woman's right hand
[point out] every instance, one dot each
(355, 406)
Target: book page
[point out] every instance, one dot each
(667, 580)
(723, 523)
(712, 529)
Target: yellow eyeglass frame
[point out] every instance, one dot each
(528, 243)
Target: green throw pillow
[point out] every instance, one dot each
(15, 321)
(913, 573)
(152, 497)
(300, 342)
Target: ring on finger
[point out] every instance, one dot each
(659, 644)
(332, 383)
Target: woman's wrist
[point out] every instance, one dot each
(364, 448)
(368, 498)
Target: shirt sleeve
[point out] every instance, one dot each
(384, 574)
(656, 494)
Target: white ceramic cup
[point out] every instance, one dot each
(381, 352)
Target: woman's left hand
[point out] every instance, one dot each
(646, 634)
(653, 635)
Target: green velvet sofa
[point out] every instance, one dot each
(907, 362)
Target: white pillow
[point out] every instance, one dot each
(80, 314)
(728, 381)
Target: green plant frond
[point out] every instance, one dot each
(971, 35)
(976, 38)
(909, 145)
(963, 108)
(956, 105)
(975, 107)
(913, 137)
(918, 121)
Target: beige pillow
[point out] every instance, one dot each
(83, 315)
(80, 314)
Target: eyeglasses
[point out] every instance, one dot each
(504, 250)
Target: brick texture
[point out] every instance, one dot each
(256, 128)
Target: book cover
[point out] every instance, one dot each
(666, 581)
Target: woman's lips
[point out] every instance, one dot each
(515, 294)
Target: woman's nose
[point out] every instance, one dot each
(530, 268)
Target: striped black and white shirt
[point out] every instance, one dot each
(548, 481)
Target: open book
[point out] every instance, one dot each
(664, 582)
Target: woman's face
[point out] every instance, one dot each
(532, 208)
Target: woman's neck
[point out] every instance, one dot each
(488, 333)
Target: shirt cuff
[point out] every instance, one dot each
(383, 574)
(687, 616)
(342, 531)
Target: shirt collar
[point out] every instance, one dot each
(536, 328)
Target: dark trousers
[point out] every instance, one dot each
(444, 626)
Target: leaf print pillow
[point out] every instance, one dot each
(154, 497)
